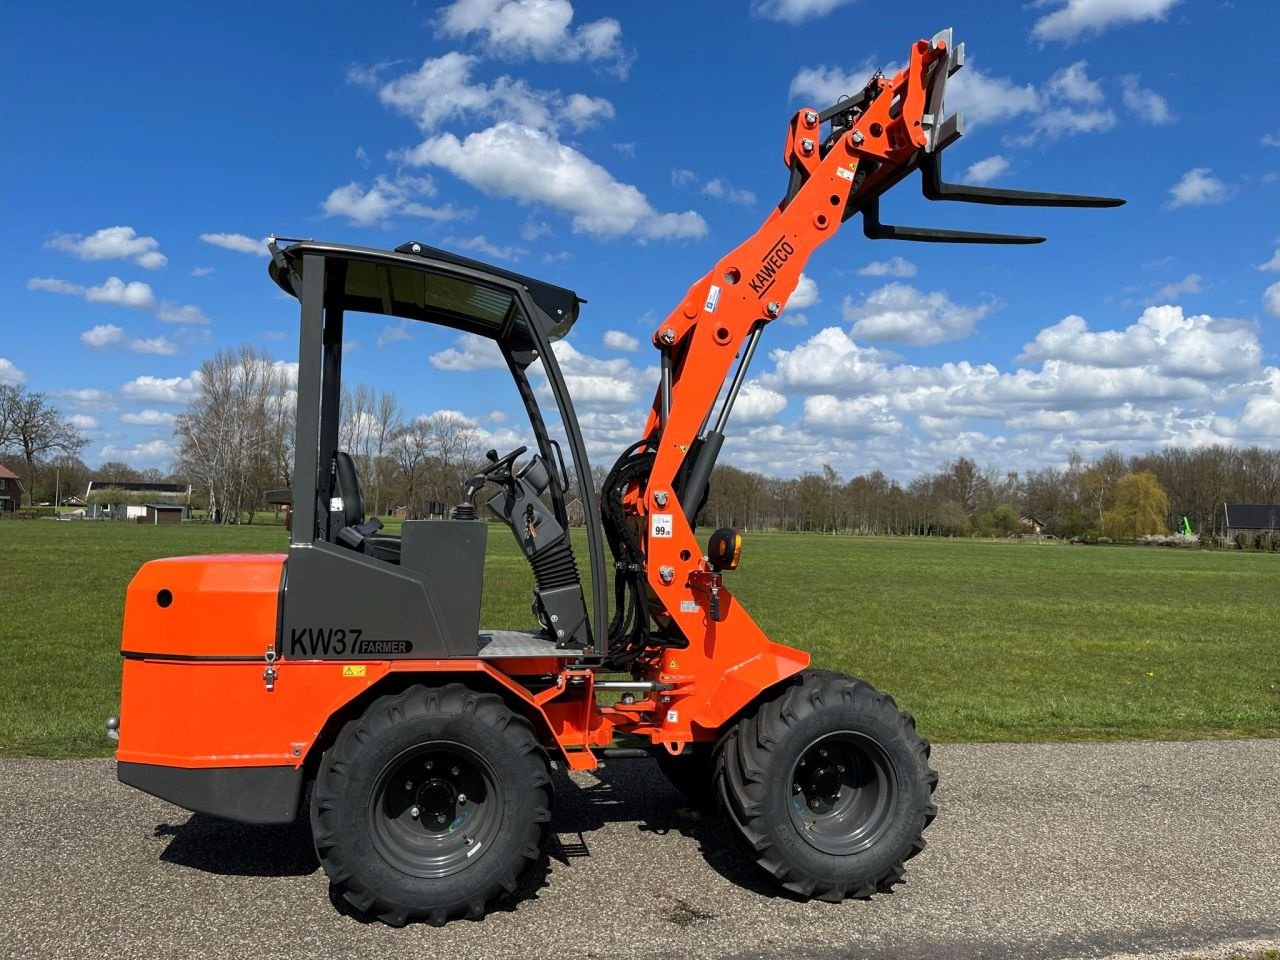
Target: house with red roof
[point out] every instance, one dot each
(10, 490)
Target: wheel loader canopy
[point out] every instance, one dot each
(418, 282)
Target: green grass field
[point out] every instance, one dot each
(982, 641)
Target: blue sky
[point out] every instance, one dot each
(621, 150)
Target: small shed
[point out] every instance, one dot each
(158, 513)
(1251, 518)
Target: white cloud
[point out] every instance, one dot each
(98, 401)
(112, 243)
(162, 346)
(795, 319)
(1163, 339)
(794, 11)
(82, 421)
(148, 453)
(1197, 188)
(1270, 140)
(201, 271)
(757, 404)
(537, 29)
(858, 416)
(172, 390)
(1076, 17)
(1273, 264)
(238, 242)
(10, 374)
(134, 294)
(599, 384)
(471, 353)
(1191, 283)
(481, 245)
(394, 333)
(983, 98)
(617, 340)
(893, 267)
(103, 335)
(900, 312)
(1260, 418)
(805, 295)
(1073, 83)
(719, 189)
(1147, 104)
(384, 198)
(1271, 299)
(510, 160)
(149, 418)
(581, 111)
(822, 86)
(716, 188)
(170, 312)
(986, 170)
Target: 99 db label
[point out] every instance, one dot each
(660, 526)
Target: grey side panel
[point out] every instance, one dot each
(247, 794)
(343, 605)
(450, 554)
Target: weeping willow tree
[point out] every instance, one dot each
(1140, 509)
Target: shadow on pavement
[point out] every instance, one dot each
(219, 846)
(620, 792)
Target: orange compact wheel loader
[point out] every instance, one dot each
(356, 661)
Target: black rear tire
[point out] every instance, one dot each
(828, 785)
(430, 804)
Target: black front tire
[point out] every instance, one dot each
(430, 804)
(828, 785)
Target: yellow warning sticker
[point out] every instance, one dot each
(353, 670)
(672, 665)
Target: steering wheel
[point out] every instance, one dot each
(498, 470)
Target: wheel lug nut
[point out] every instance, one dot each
(814, 804)
(462, 798)
(439, 818)
(822, 753)
(430, 764)
(415, 812)
(840, 767)
(795, 788)
(408, 784)
(453, 771)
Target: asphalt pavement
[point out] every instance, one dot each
(1039, 851)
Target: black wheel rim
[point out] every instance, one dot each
(843, 790)
(435, 809)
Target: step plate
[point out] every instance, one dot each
(495, 644)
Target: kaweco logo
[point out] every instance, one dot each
(770, 264)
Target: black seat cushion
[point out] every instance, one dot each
(383, 548)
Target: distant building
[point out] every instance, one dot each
(10, 490)
(135, 498)
(1251, 518)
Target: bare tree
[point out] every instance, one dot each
(230, 435)
(30, 425)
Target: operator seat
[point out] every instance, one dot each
(356, 532)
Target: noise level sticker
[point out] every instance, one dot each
(713, 299)
(353, 670)
(660, 526)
